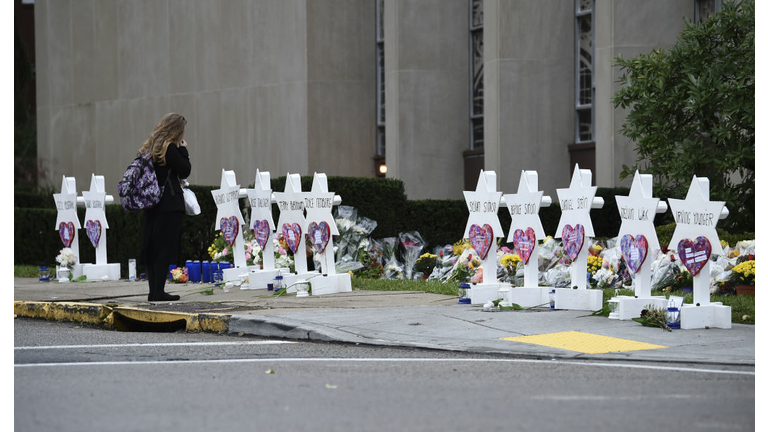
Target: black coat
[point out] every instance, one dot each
(161, 231)
(176, 167)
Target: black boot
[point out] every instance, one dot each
(157, 286)
(164, 296)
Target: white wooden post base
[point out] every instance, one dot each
(629, 307)
(713, 315)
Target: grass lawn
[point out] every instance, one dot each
(742, 307)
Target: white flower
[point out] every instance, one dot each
(66, 257)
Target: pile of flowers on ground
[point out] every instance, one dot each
(406, 257)
(220, 251)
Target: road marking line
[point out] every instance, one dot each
(193, 344)
(373, 360)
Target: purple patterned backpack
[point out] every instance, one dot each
(139, 189)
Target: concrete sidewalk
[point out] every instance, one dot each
(402, 319)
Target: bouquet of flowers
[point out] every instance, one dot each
(180, 274)
(466, 266)
(283, 259)
(219, 250)
(393, 269)
(412, 244)
(444, 262)
(67, 258)
(252, 252)
(508, 265)
(345, 218)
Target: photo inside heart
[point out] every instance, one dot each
(292, 235)
(524, 242)
(67, 233)
(319, 235)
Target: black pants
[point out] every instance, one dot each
(160, 246)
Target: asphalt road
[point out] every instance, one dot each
(69, 377)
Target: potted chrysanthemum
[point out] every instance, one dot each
(743, 277)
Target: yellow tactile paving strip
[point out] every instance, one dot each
(586, 343)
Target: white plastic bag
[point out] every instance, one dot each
(190, 202)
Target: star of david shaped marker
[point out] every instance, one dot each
(576, 202)
(94, 201)
(227, 198)
(483, 204)
(696, 215)
(66, 203)
(261, 199)
(291, 203)
(524, 205)
(320, 211)
(638, 210)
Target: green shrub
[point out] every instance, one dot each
(439, 222)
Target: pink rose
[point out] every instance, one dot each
(224, 252)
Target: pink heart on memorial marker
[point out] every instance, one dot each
(93, 229)
(694, 255)
(634, 250)
(67, 233)
(524, 242)
(481, 239)
(229, 228)
(573, 240)
(262, 232)
(319, 234)
(292, 235)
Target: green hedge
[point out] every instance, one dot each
(439, 222)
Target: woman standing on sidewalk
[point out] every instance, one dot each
(161, 230)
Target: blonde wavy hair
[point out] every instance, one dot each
(169, 130)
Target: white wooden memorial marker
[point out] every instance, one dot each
(229, 221)
(639, 245)
(321, 227)
(526, 230)
(67, 222)
(483, 227)
(96, 229)
(292, 224)
(263, 226)
(575, 229)
(695, 240)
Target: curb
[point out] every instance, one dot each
(115, 317)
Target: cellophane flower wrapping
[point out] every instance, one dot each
(664, 269)
(444, 263)
(345, 218)
(66, 258)
(353, 238)
(393, 268)
(465, 267)
(558, 276)
(412, 244)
